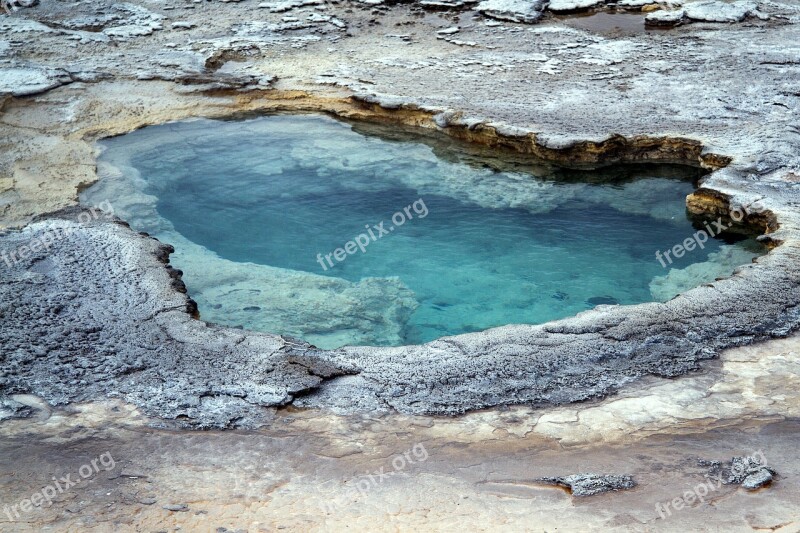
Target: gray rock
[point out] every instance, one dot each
(436, 5)
(756, 480)
(581, 485)
(569, 6)
(14, 5)
(31, 79)
(719, 11)
(90, 22)
(176, 507)
(134, 21)
(13, 409)
(665, 18)
(281, 6)
(14, 25)
(449, 31)
(750, 472)
(183, 25)
(528, 11)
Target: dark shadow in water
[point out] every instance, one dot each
(505, 159)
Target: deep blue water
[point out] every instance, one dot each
(492, 248)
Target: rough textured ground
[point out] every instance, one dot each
(101, 308)
(309, 471)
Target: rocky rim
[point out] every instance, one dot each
(99, 313)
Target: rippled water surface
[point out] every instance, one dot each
(341, 234)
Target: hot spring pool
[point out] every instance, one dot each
(342, 234)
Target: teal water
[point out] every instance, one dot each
(484, 241)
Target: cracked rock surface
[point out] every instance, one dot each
(750, 472)
(266, 370)
(581, 485)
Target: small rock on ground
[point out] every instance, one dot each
(590, 484)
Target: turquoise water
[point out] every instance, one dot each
(483, 241)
